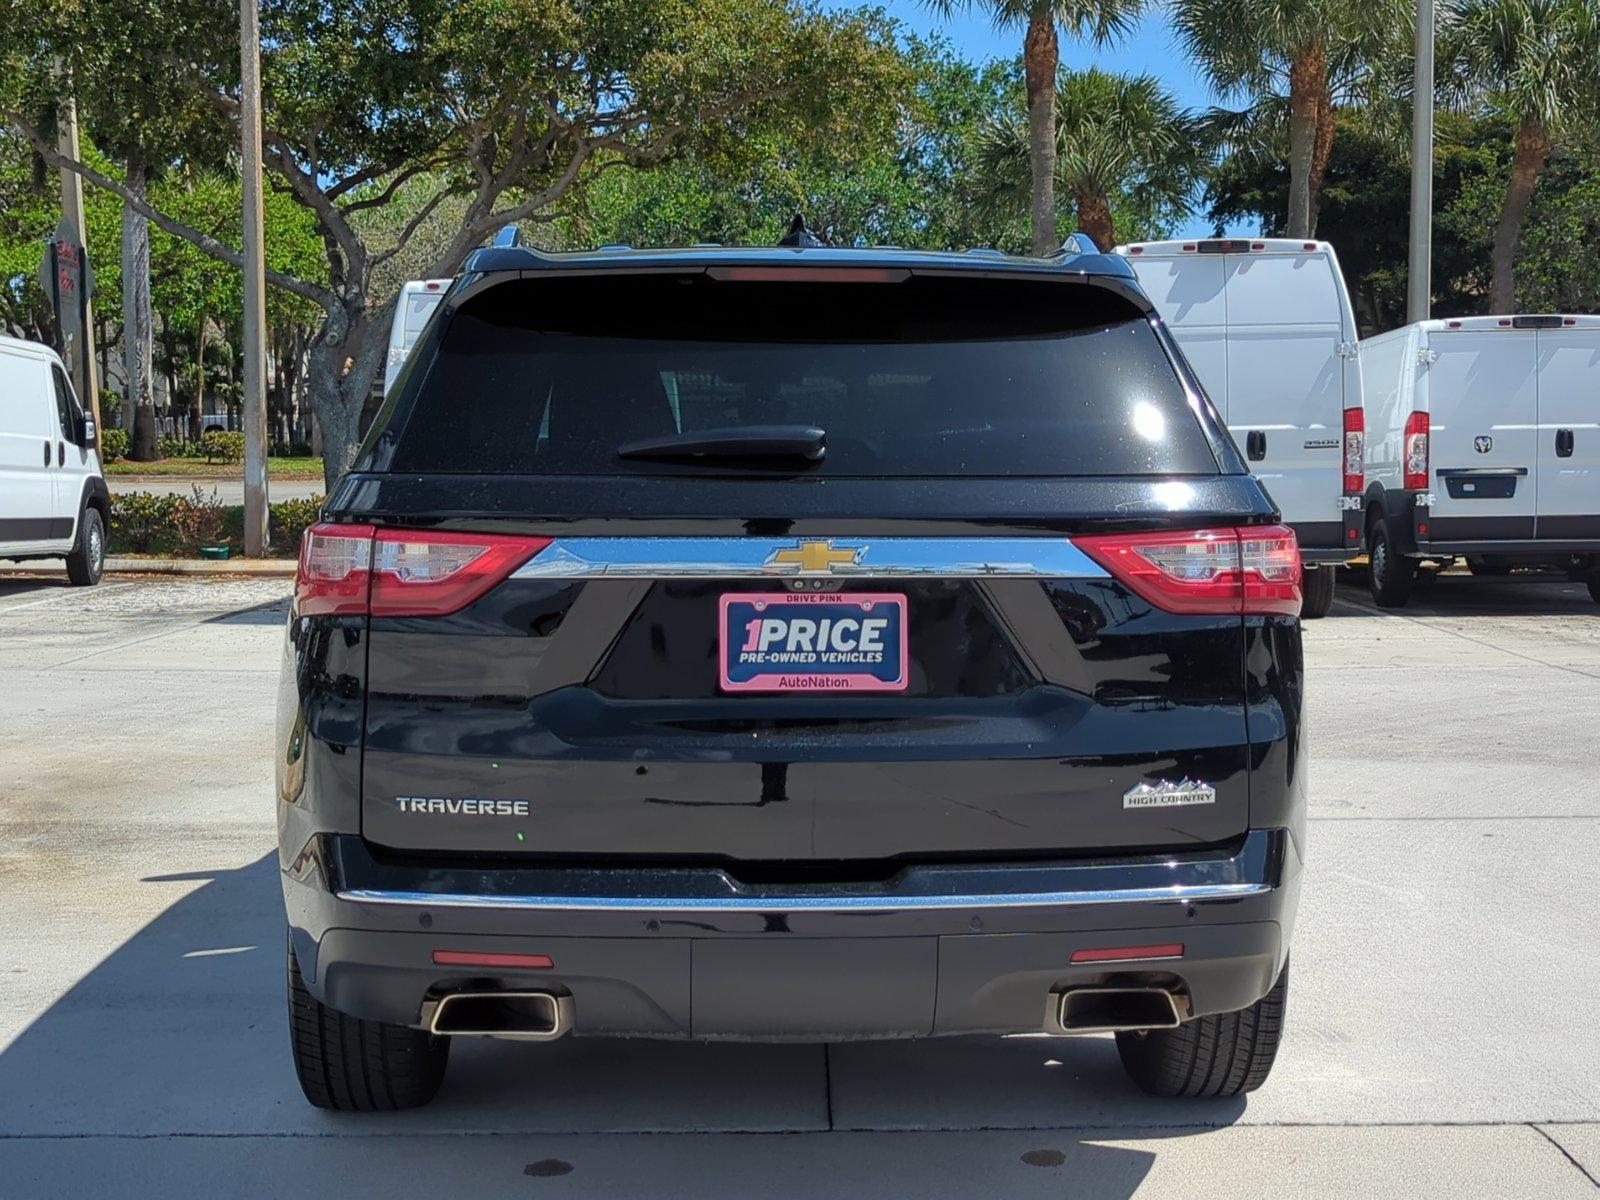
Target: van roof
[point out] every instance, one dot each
(1189, 246)
(28, 346)
(1510, 321)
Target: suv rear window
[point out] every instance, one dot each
(927, 376)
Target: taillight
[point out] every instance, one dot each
(1253, 569)
(333, 573)
(399, 573)
(1355, 449)
(1415, 450)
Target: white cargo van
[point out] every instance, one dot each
(418, 299)
(1483, 443)
(53, 499)
(1267, 325)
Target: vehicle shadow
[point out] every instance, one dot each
(1458, 594)
(18, 583)
(269, 612)
(173, 1047)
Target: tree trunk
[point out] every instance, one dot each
(197, 413)
(1094, 218)
(343, 362)
(1040, 56)
(1322, 151)
(138, 406)
(1527, 160)
(1308, 81)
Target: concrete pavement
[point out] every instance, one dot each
(1439, 1037)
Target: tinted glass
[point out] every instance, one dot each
(924, 377)
(64, 403)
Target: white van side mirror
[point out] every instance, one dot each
(88, 434)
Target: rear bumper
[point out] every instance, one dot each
(690, 954)
(1328, 542)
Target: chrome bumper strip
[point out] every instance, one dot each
(810, 558)
(1176, 893)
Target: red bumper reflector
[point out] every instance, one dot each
(481, 958)
(1102, 954)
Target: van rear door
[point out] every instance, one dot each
(1483, 413)
(1187, 292)
(1568, 454)
(1286, 383)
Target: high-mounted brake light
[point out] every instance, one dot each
(1355, 448)
(1251, 569)
(810, 274)
(352, 569)
(1414, 451)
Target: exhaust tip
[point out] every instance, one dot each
(1112, 1009)
(528, 1016)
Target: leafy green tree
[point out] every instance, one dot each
(907, 183)
(1099, 20)
(1538, 63)
(1121, 141)
(509, 106)
(1292, 59)
(1366, 203)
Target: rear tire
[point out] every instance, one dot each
(1222, 1055)
(1316, 590)
(87, 558)
(1487, 566)
(351, 1065)
(1389, 575)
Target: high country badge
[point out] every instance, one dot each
(1167, 794)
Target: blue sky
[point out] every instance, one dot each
(1151, 49)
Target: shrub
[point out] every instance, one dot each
(141, 522)
(113, 444)
(290, 450)
(176, 447)
(219, 445)
(197, 520)
(288, 521)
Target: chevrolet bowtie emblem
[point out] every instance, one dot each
(815, 557)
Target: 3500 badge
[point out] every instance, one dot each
(793, 642)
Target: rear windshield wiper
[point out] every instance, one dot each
(804, 442)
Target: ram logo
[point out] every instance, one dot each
(1483, 444)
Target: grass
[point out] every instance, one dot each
(277, 468)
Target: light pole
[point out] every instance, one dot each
(81, 366)
(1419, 278)
(255, 286)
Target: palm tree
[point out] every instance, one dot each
(1534, 60)
(1117, 136)
(1304, 52)
(1096, 20)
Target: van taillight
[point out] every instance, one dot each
(1355, 449)
(1251, 569)
(399, 573)
(1415, 451)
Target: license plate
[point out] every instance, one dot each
(813, 642)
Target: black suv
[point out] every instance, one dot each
(791, 644)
